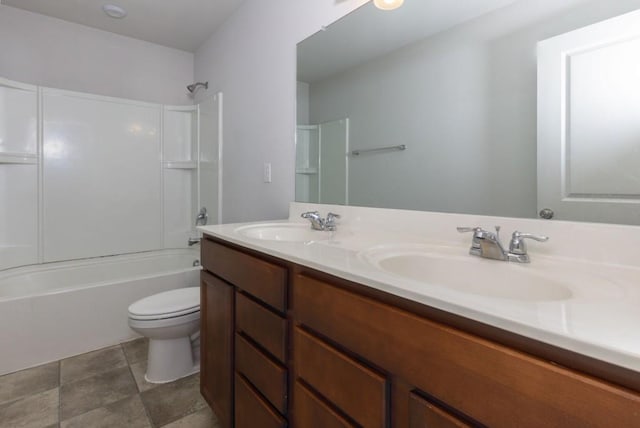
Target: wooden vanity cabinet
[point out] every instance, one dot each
(356, 357)
(453, 378)
(244, 337)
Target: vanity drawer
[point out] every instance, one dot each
(266, 281)
(312, 412)
(269, 377)
(490, 383)
(251, 410)
(354, 388)
(424, 414)
(263, 326)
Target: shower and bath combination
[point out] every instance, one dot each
(192, 88)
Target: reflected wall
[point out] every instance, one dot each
(464, 103)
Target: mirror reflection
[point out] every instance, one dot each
(493, 107)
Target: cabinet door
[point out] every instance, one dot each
(216, 346)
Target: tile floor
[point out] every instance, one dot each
(104, 388)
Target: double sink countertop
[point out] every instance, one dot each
(585, 300)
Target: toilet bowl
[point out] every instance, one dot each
(171, 321)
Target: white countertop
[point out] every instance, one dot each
(600, 319)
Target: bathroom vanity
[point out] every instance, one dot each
(296, 334)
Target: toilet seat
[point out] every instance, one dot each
(169, 304)
(156, 323)
(163, 316)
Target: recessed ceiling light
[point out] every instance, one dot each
(114, 11)
(388, 4)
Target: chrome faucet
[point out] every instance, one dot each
(193, 241)
(319, 223)
(488, 244)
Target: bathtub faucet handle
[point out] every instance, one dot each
(203, 217)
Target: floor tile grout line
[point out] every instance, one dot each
(144, 406)
(126, 361)
(130, 369)
(14, 399)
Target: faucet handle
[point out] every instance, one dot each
(517, 245)
(317, 223)
(476, 230)
(330, 222)
(478, 234)
(203, 217)
(310, 214)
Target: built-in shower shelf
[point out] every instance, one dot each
(18, 158)
(180, 165)
(307, 171)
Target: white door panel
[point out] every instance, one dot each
(589, 122)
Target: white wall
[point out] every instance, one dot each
(252, 60)
(50, 52)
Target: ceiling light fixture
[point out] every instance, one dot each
(114, 11)
(388, 4)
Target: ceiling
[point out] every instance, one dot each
(182, 24)
(369, 32)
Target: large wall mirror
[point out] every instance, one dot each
(493, 107)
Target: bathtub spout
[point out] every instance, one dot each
(193, 241)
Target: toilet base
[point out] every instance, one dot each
(170, 359)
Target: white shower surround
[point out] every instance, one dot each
(92, 176)
(57, 310)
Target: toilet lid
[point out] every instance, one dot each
(168, 303)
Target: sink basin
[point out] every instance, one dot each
(284, 232)
(467, 274)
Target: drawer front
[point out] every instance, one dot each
(261, 279)
(312, 412)
(263, 326)
(251, 410)
(269, 377)
(424, 414)
(357, 390)
(486, 381)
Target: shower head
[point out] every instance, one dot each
(192, 88)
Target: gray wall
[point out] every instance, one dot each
(464, 102)
(252, 59)
(50, 52)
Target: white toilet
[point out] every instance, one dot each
(171, 321)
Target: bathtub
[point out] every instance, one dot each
(56, 310)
